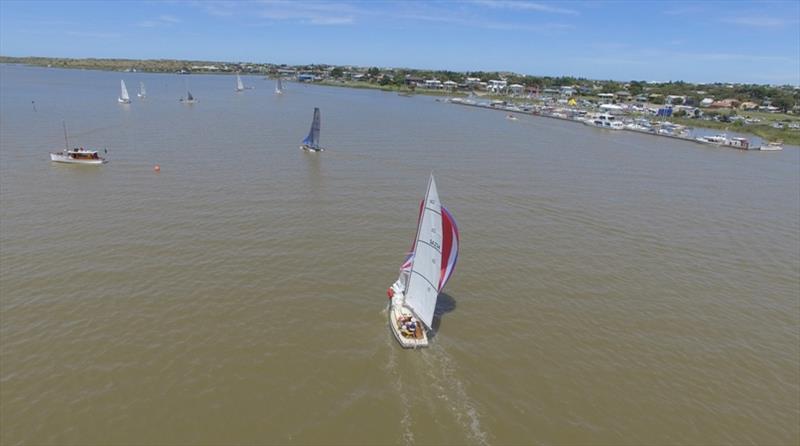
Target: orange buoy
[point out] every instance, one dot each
(157, 168)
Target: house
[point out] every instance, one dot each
(411, 80)
(433, 84)
(497, 86)
(725, 103)
(516, 89)
(605, 97)
(674, 99)
(450, 85)
(566, 91)
(623, 95)
(748, 106)
(306, 77)
(472, 81)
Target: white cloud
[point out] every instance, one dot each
(162, 20)
(524, 6)
(312, 13)
(758, 21)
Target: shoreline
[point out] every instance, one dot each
(172, 66)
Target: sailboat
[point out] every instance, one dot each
(142, 93)
(424, 273)
(123, 94)
(189, 98)
(311, 143)
(76, 155)
(278, 87)
(239, 84)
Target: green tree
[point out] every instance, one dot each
(337, 73)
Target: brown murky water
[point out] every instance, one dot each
(613, 288)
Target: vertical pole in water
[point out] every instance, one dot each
(66, 141)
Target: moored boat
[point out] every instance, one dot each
(604, 121)
(772, 146)
(424, 273)
(77, 155)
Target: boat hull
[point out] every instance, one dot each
(403, 340)
(59, 158)
(123, 101)
(311, 149)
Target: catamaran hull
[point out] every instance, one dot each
(67, 160)
(404, 341)
(311, 149)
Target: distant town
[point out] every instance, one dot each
(772, 112)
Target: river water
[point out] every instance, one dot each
(612, 287)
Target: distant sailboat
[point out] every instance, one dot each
(239, 84)
(142, 92)
(189, 98)
(278, 87)
(424, 273)
(123, 94)
(311, 143)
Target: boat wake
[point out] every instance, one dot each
(443, 384)
(391, 369)
(446, 386)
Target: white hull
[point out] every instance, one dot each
(311, 149)
(403, 340)
(140, 96)
(123, 101)
(59, 158)
(770, 148)
(607, 126)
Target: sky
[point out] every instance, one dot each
(693, 41)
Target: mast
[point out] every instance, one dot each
(66, 140)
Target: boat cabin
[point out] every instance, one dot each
(82, 154)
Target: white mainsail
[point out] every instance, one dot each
(123, 94)
(278, 87)
(422, 287)
(142, 91)
(239, 84)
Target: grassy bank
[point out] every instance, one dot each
(388, 87)
(763, 131)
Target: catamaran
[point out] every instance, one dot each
(142, 93)
(239, 84)
(424, 273)
(278, 87)
(311, 143)
(76, 155)
(123, 94)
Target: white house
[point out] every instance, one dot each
(433, 83)
(473, 81)
(497, 86)
(450, 85)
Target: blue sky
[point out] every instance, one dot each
(732, 41)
